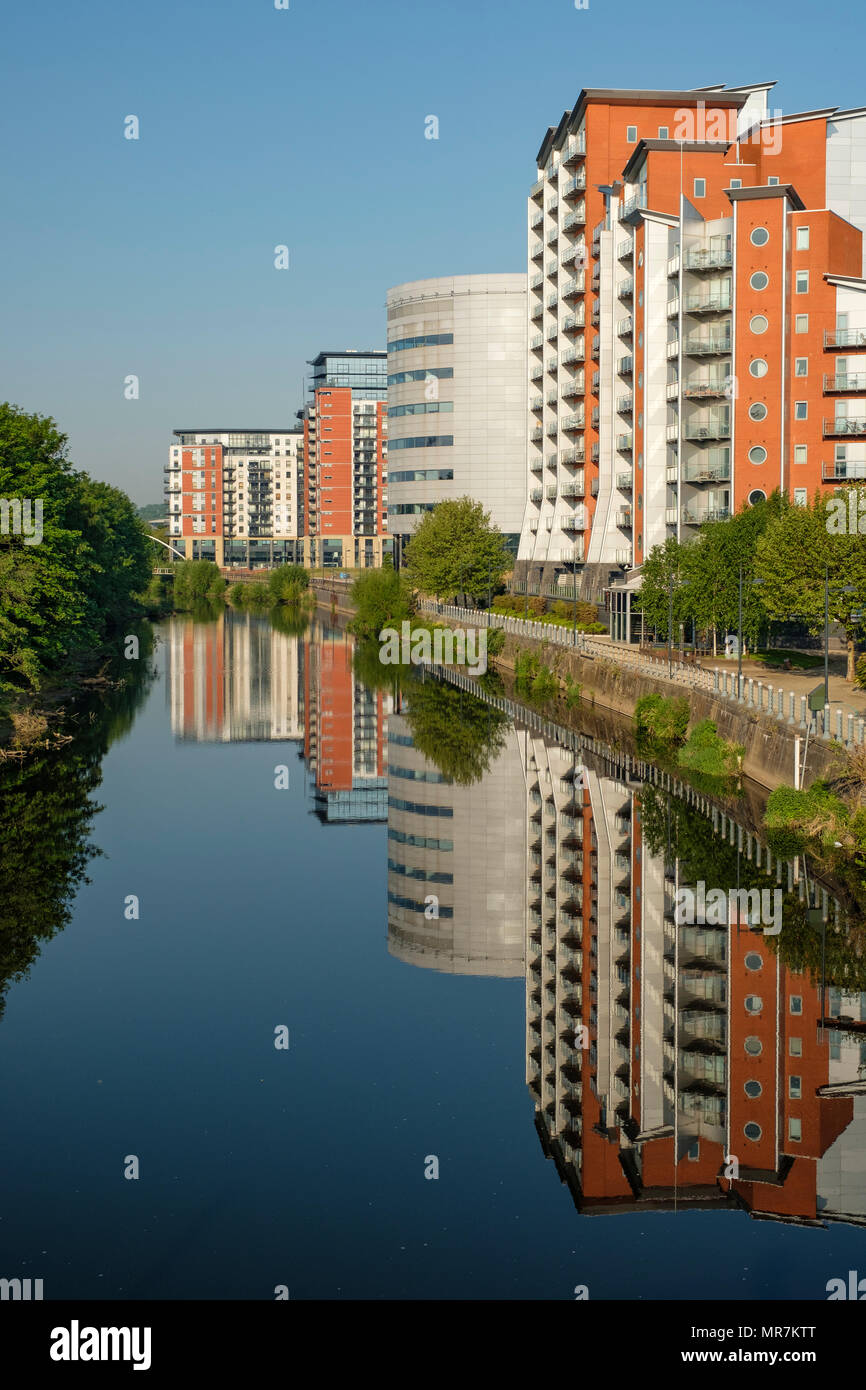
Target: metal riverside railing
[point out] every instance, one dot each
(786, 707)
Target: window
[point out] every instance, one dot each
(754, 1003)
(802, 239)
(758, 454)
(700, 188)
(694, 1151)
(795, 1088)
(800, 497)
(800, 453)
(801, 366)
(758, 367)
(631, 134)
(772, 182)
(760, 280)
(801, 323)
(801, 283)
(795, 1130)
(663, 132)
(795, 1047)
(736, 183)
(753, 961)
(752, 1131)
(753, 1089)
(801, 410)
(756, 497)
(753, 1046)
(796, 1003)
(758, 411)
(758, 323)
(760, 236)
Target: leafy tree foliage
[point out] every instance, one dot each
(382, 598)
(454, 550)
(67, 594)
(197, 581)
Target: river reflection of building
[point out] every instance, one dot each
(344, 733)
(456, 889)
(702, 1046)
(235, 679)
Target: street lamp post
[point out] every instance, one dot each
(826, 635)
(670, 625)
(740, 641)
(574, 595)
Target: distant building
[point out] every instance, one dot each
(345, 430)
(234, 496)
(457, 398)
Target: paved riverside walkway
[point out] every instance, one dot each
(784, 698)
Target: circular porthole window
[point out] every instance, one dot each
(753, 1046)
(754, 961)
(760, 280)
(754, 1003)
(758, 454)
(756, 497)
(752, 1131)
(760, 236)
(753, 1089)
(758, 411)
(640, 257)
(758, 367)
(758, 323)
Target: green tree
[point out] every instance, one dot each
(195, 580)
(661, 574)
(288, 583)
(454, 550)
(463, 736)
(791, 558)
(382, 598)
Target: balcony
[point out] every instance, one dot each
(625, 289)
(537, 311)
(624, 327)
(848, 381)
(623, 518)
(552, 426)
(553, 398)
(593, 454)
(572, 255)
(672, 391)
(672, 308)
(536, 463)
(707, 472)
(624, 405)
(596, 347)
(671, 516)
(536, 434)
(536, 403)
(575, 521)
(537, 189)
(707, 346)
(576, 454)
(550, 365)
(852, 424)
(700, 303)
(708, 259)
(624, 443)
(575, 218)
(625, 250)
(573, 354)
(536, 251)
(572, 488)
(624, 482)
(698, 388)
(573, 149)
(623, 557)
(536, 280)
(552, 234)
(845, 338)
(674, 265)
(572, 288)
(673, 349)
(633, 205)
(536, 341)
(696, 516)
(550, 491)
(551, 270)
(573, 388)
(536, 494)
(572, 322)
(551, 301)
(536, 372)
(843, 472)
(536, 220)
(625, 366)
(572, 423)
(552, 203)
(711, 429)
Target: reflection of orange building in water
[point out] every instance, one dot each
(232, 680)
(344, 733)
(704, 1055)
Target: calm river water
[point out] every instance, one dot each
(507, 1072)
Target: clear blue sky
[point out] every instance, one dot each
(302, 127)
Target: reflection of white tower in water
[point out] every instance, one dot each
(459, 851)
